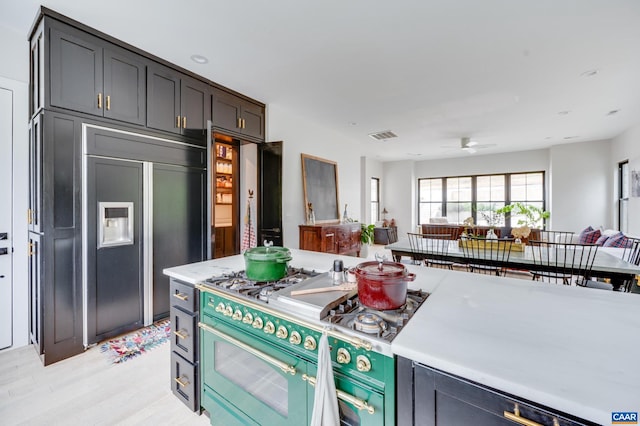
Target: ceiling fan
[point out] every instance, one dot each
(470, 146)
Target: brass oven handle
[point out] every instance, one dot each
(181, 334)
(181, 296)
(356, 402)
(265, 357)
(515, 417)
(182, 383)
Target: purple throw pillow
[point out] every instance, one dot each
(617, 240)
(589, 237)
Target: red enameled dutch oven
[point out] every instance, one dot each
(382, 285)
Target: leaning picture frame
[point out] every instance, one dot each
(320, 185)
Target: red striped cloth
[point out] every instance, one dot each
(249, 235)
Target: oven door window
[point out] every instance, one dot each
(250, 386)
(252, 375)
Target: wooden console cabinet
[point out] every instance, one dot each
(337, 238)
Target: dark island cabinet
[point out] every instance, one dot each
(430, 397)
(177, 103)
(90, 75)
(236, 115)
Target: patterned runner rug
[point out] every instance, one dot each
(137, 342)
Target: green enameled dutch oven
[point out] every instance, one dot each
(266, 263)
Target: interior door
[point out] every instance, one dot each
(270, 197)
(115, 278)
(6, 142)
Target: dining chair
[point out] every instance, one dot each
(564, 237)
(484, 256)
(631, 254)
(431, 249)
(565, 263)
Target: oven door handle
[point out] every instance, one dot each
(265, 357)
(356, 402)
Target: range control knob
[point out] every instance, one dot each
(282, 332)
(310, 343)
(220, 307)
(248, 318)
(237, 315)
(363, 364)
(295, 338)
(228, 311)
(344, 357)
(257, 323)
(269, 328)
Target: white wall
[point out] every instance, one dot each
(15, 55)
(399, 184)
(627, 147)
(581, 185)
(301, 135)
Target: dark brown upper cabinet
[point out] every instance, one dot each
(237, 115)
(90, 75)
(176, 102)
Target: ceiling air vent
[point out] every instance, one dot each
(381, 136)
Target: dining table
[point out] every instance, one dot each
(607, 264)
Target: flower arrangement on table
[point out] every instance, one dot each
(520, 233)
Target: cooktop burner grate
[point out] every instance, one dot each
(383, 324)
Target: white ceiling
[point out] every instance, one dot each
(431, 71)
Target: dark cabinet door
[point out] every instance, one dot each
(76, 70)
(430, 397)
(226, 111)
(270, 194)
(195, 106)
(35, 292)
(124, 86)
(253, 120)
(163, 99)
(179, 225)
(35, 173)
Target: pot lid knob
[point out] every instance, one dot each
(380, 258)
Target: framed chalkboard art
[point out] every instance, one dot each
(320, 183)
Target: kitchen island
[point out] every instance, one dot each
(572, 350)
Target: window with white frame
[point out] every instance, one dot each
(375, 199)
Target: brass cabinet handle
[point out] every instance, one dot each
(99, 100)
(242, 122)
(178, 122)
(239, 125)
(181, 334)
(31, 252)
(181, 296)
(515, 417)
(29, 216)
(108, 102)
(181, 382)
(265, 357)
(356, 402)
(184, 122)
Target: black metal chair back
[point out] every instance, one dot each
(486, 256)
(564, 263)
(431, 248)
(631, 254)
(563, 237)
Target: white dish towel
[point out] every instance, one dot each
(325, 400)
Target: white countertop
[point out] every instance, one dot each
(575, 350)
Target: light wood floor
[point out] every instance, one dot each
(88, 390)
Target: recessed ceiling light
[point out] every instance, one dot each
(199, 59)
(563, 112)
(353, 123)
(613, 112)
(589, 73)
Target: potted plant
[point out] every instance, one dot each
(366, 238)
(531, 217)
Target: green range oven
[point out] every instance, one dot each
(259, 361)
